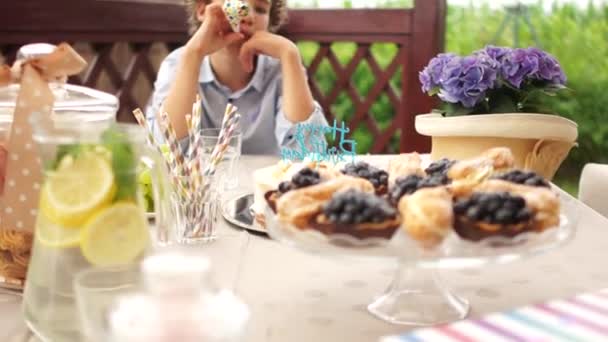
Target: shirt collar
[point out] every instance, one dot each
(206, 74)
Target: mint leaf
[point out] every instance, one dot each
(62, 151)
(124, 163)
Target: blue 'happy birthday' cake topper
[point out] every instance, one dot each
(311, 144)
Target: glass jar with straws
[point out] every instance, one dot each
(193, 200)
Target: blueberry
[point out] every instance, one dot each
(474, 213)
(350, 208)
(284, 187)
(345, 218)
(523, 214)
(363, 173)
(389, 211)
(519, 202)
(461, 206)
(503, 216)
(306, 171)
(305, 177)
(493, 205)
(367, 213)
(334, 206)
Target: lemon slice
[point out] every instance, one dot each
(78, 188)
(116, 235)
(53, 235)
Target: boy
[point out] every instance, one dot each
(256, 70)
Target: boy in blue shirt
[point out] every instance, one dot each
(256, 70)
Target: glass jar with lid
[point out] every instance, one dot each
(72, 103)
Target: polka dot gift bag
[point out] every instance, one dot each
(35, 84)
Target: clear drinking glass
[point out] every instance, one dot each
(196, 213)
(179, 301)
(226, 170)
(96, 289)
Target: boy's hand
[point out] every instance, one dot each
(214, 33)
(266, 43)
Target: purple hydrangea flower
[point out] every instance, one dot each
(466, 80)
(497, 53)
(522, 65)
(518, 66)
(430, 77)
(548, 68)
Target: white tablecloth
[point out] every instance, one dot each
(296, 296)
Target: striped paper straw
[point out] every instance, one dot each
(229, 118)
(141, 120)
(176, 158)
(222, 144)
(229, 115)
(230, 110)
(196, 121)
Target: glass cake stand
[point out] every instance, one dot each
(417, 295)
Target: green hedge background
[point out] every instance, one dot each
(578, 37)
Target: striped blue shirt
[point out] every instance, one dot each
(263, 123)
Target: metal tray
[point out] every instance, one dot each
(236, 211)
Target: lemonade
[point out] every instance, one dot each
(91, 213)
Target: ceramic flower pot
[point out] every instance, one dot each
(539, 142)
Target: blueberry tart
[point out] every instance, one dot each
(299, 207)
(357, 213)
(503, 208)
(490, 214)
(411, 177)
(305, 177)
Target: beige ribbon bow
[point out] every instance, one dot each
(23, 173)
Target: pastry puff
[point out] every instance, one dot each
(325, 173)
(468, 173)
(427, 215)
(297, 207)
(328, 173)
(404, 165)
(542, 201)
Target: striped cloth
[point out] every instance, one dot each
(582, 318)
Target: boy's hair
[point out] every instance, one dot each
(278, 14)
